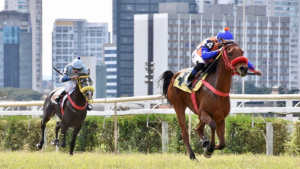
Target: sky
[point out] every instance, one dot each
(91, 10)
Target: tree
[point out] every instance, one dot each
(21, 94)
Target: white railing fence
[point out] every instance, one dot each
(34, 108)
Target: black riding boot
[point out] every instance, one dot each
(189, 80)
(57, 100)
(197, 68)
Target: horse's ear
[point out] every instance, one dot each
(88, 72)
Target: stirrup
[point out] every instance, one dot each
(89, 107)
(189, 84)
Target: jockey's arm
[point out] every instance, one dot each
(253, 69)
(65, 77)
(207, 54)
(251, 66)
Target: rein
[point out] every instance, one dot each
(83, 89)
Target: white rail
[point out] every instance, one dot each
(159, 97)
(108, 102)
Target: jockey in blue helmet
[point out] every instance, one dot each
(70, 76)
(207, 51)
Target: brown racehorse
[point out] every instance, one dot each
(213, 108)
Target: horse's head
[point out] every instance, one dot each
(85, 84)
(234, 59)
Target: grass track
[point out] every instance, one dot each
(55, 160)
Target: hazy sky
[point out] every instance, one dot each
(91, 10)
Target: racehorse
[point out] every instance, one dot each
(73, 112)
(213, 101)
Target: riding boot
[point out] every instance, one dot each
(57, 100)
(197, 68)
(189, 80)
(89, 107)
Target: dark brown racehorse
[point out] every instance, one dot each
(213, 108)
(73, 113)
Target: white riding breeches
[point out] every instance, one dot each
(70, 85)
(196, 58)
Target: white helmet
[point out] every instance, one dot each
(77, 63)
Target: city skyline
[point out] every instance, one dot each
(69, 9)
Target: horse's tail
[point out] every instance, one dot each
(166, 78)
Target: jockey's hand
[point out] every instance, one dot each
(258, 72)
(220, 50)
(220, 45)
(75, 77)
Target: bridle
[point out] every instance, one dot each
(230, 64)
(84, 89)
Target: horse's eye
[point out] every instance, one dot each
(229, 54)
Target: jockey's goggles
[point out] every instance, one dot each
(78, 70)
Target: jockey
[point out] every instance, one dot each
(70, 76)
(207, 51)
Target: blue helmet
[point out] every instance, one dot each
(77, 63)
(225, 34)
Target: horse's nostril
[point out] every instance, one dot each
(244, 68)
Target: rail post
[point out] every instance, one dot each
(116, 128)
(165, 136)
(269, 138)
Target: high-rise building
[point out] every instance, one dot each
(72, 38)
(123, 12)
(175, 36)
(110, 59)
(101, 81)
(15, 50)
(34, 7)
(284, 8)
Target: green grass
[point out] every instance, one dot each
(57, 160)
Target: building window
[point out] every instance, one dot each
(141, 8)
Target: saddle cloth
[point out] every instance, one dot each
(182, 78)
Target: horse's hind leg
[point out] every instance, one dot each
(221, 133)
(64, 129)
(75, 132)
(180, 111)
(200, 131)
(48, 113)
(205, 118)
(57, 128)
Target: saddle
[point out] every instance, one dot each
(182, 78)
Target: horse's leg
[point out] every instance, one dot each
(75, 132)
(48, 113)
(205, 118)
(57, 128)
(221, 135)
(200, 132)
(180, 111)
(64, 129)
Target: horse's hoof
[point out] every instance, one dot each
(206, 153)
(71, 154)
(54, 142)
(204, 143)
(192, 157)
(38, 146)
